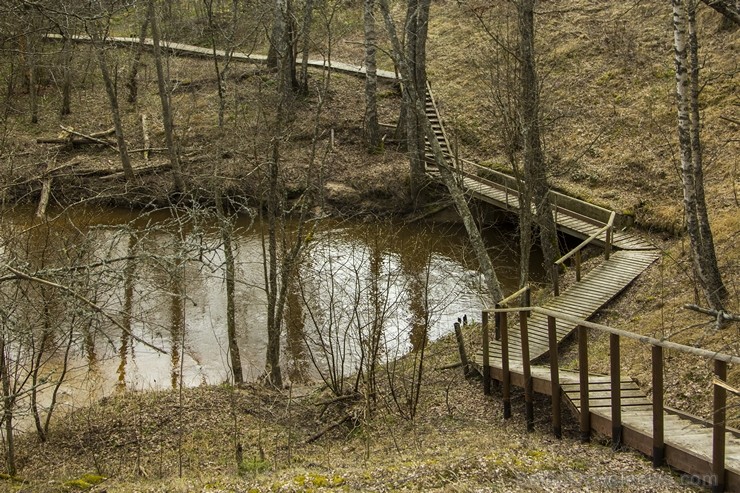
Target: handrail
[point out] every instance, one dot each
(719, 399)
(588, 240)
(608, 227)
(506, 300)
(703, 353)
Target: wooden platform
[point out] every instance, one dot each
(582, 300)
(688, 442)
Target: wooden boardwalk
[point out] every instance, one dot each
(611, 405)
(582, 300)
(688, 440)
(572, 216)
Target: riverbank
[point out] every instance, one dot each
(253, 439)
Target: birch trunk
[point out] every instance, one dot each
(689, 121)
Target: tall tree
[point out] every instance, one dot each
(97, 29)
(228, 36)
(416, 105)
(306, 37)
(687, 103)
(226, 226)
(535, 170)
(416, 29)
(372, 130)
(164, 96)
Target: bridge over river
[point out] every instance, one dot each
(526, 354)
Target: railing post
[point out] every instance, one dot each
(718, 432)
(506, 376)
(528, 389)
(554, 376)
(578, 266)
(585, 420)
(616, 390)
(461, 348)
(555, 280)
(608, 246)
(528, 300)
(497, 323)
(658, 425)
(486, 355)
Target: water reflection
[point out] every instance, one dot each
(365, 292)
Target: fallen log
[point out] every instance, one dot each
(45, 192)
(721, 317)
(327, 429)
(73, 141)
(117, 173)
(76, 138)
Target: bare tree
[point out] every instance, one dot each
(98, 33)
(372, 130)
(164, 96)
(535, 169)
(687, 101)
(446, 174)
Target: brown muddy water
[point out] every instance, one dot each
(160, 275)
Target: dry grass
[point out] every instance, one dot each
(609, 91)
(458, 442)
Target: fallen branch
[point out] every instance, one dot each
(722, 317)
(44, 199)
(92, 137)
(111, 174)
(340, 398)
(327, 429)
(449, 367)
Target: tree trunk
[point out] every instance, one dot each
(534, 161)
(165, 99)
(31, 72)
(417, 19)
(133, 84)
(687, 102)
(274, 325)
(66, 75)
(8, 403)
(307, 24)
(372, 130)
(226, 226)
(458, 197)
(115, 113)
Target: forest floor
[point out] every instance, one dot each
(252, 440)
(600, 69)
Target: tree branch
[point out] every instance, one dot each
(28, 277)
(725, 8)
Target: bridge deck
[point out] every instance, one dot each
(688, 441)
(581, 300)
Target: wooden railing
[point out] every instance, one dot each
(576, 252)
(524, 293)
(720, 362)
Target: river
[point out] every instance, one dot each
(144, 305)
